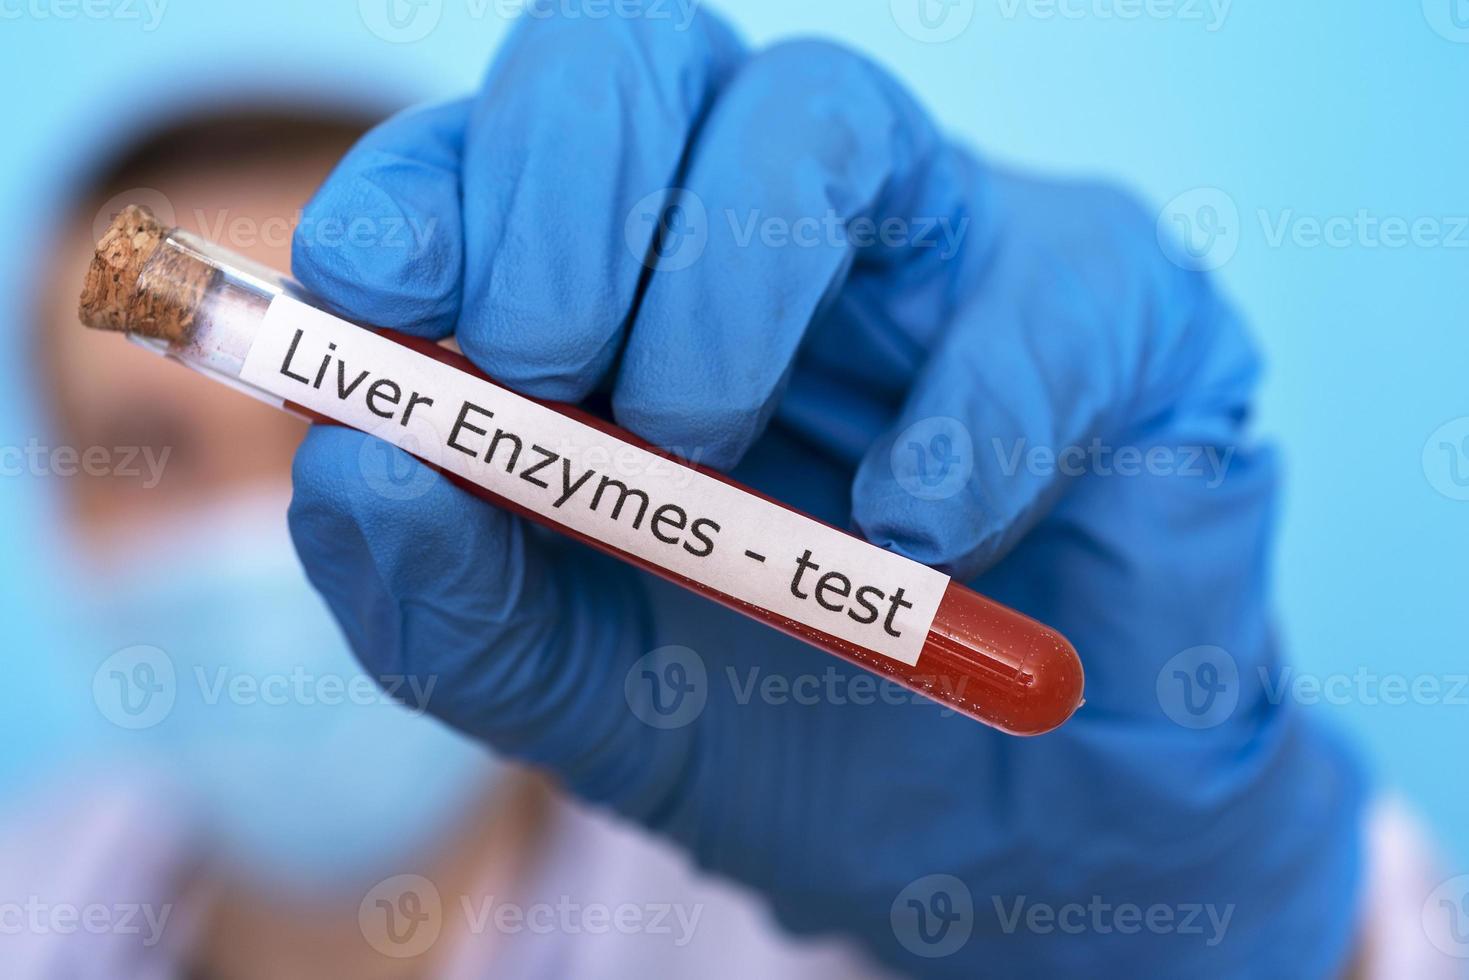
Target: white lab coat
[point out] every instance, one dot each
(603, 901)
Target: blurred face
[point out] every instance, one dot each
(191, 441)
(196, 444)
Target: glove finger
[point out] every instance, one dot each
(809, 153)
(581, 122)
(380, 240)
(1079, 335)
(518, 641)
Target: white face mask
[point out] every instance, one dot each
(297, 759)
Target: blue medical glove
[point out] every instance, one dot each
(998, 375)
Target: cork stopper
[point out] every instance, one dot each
(134, 284)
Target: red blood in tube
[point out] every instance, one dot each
(982, 659)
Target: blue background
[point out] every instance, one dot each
(1285, 111)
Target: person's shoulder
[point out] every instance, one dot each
(92, 869)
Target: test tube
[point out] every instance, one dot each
(199, 304)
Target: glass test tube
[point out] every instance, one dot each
(199, 304)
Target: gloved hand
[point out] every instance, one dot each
(1127, 843)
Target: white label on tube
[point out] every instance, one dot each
(592, 482)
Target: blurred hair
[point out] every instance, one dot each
(232, 137)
